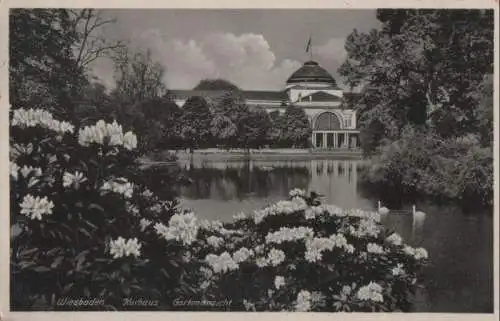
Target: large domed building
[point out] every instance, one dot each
(311, 87)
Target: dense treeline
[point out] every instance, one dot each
(426, 109)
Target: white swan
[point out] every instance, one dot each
(418, 217)
(382, 209)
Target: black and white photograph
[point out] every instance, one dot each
(335, 160)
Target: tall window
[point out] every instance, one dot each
(327, 121)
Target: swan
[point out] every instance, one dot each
(418, 217)
(382, 209)
(418, 214)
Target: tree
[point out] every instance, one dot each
(216, 84)
(195, 122)
(90, 45)
(253, 127)
(296, 129)
(422, 67)
(43, 72)
(138, 77)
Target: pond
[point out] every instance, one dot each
(460, 246)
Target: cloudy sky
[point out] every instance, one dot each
(255, 49)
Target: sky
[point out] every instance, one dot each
(254, 49)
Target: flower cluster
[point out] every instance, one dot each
(374, 248)
(73, 179)
(303, 302)
(395, 239)
(122, 247)
(297, 192)
(274, 258)
(282, 207)
(221, 263)
(316, 246)
(144, 223)
(119, 186)
(17, 150)
(35, 207)
(398, 270)
(28, 170)
(242, 255)
(279, 281)
(418, 253)
(181, 227)
(286, 234)
(366, 227)
(42, 118)
(102, 132)
(371, 292)
(215, 241)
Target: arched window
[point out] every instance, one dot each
(327, 121)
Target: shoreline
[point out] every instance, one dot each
(256, 155)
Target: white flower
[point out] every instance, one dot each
(275, 257)
(239, 216)
(73, 179)
(35, 207)
(147, 193)
(17, 150)
(279, 281)
(297, 192)
(144, 223)
(112, 132)
(242, 255)
(421, 253)
(371, 292)
(249, 306)
(27, 170)
(222, 263)
(285, 234)
(121, 247)
(39, 117)
(282, 207)
(14, 170)
(303, 302)
(129, 141)
(374, 248)
(395, 239)
(182, 227)
(120, 186)
(316, 246)
(215, 241)
(366, 228)
(398, 270)
(349, 248)
(261, 262)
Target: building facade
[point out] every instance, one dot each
(330, 110)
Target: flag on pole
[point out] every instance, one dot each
(308, 46)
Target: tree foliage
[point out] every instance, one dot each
(421, 66)
(196, 122)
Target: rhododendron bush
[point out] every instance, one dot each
(86, 224)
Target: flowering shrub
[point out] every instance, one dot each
(82, 227)
(88, 226)
(294, 256)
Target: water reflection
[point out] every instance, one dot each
(460, 277)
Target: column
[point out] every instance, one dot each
(335, 140)
(313, 139)
(346, 139)
(324, 140)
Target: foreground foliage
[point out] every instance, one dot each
(85, 226)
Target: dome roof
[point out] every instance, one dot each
(311, 72)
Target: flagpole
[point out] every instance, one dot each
(310, 49)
